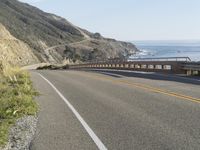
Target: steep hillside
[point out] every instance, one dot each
(14, 51)
(41, 31)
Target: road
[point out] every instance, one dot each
(66, 44)
(124, 110)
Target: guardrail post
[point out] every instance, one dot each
(189, 72)
(126, 65)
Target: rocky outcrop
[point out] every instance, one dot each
(14, 51)
(103, 48)
(22, 133)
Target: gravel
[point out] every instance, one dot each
(21, 134)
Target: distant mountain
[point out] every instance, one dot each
(51, 38)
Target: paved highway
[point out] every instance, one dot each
(117, 111)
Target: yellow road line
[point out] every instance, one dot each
(147, 87)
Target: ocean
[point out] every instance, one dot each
(154, 49)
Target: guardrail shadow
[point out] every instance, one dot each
(152, 76)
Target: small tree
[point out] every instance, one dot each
(76, 57)
(68, 52)
(93, 54)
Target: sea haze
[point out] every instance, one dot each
(168, 49)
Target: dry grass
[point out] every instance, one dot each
(16, 98)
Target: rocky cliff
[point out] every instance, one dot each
(14, 51)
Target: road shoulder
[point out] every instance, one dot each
(57, 126)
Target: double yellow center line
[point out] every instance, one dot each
(145, 87)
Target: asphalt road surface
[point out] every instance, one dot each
(83, 110)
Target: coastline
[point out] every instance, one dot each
(152, 51)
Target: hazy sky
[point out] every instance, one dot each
(130, 19)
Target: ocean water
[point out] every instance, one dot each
(168, 49)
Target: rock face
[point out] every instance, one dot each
(21, 134)
(102, 49)
(14, 51)
(50, 37)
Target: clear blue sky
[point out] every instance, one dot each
(130, 19)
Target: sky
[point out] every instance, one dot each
(130, 20)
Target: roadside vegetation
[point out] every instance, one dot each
(72, 54)
(16, 98)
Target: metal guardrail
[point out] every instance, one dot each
(193, 66)
(186, 59)
(118, 60)
(175, 65)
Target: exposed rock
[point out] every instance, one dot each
(21, 134)
(13, 50)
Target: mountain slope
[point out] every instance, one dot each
(41, 31)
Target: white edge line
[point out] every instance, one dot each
(91, 133)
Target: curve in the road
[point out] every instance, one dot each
(91, 133)
(149, 88)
